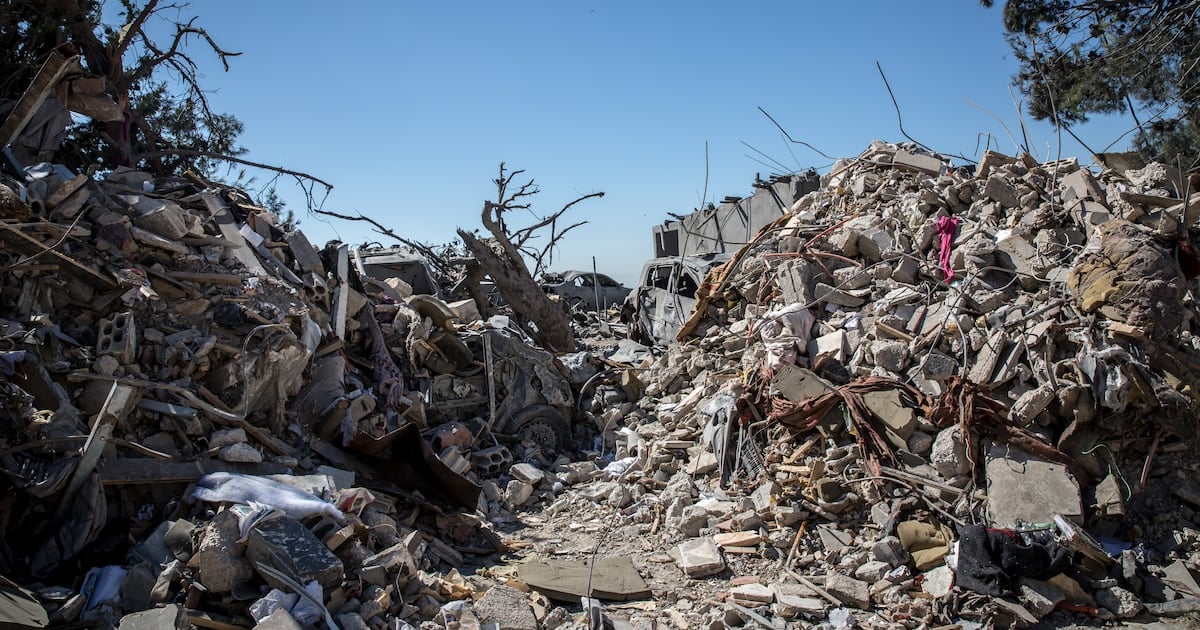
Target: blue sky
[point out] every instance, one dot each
(408, 108)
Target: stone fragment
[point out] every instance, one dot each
(752, 594)
(1002, 192)
(699, 557)
(517, 492)
(154, 619)
(949, 454)
(225, 437)
(890, 355)
(240, 452)
(286, 545)
(702, 464)
(848, 590)
(1030, 404)
(792, 600)
(528, 473)
(906, 270)
(889, 549)
(1039, 597)
(1119, 601)
(218, 561)
(926, 164)
(872, 571)
(938, 582)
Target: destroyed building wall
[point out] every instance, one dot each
(734, 221)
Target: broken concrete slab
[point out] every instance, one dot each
(1022, 488)
(613, 578)
(699, 557)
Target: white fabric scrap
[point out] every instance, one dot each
(223, 487)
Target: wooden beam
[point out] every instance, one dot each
(53, 70)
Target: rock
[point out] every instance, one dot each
(527, 473)
(890, 355)
(153, 619)
(693, 519)
(920, 443)
(848, 590)
(240, 453)
(286, 545)
(752, 594)
(699, 557)
(506, 607)
(1119, 601)
(517, 492)
(218, 561)
(872, 571)
(889, 549)
(1039, 597)
(226, 437)
(938, 582)
(949, 454)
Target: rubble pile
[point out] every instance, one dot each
(926, 395)
(208, 421)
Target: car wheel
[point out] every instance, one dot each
(543, 425)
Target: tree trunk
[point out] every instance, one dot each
(523, 294)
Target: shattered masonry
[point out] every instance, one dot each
(922, 395)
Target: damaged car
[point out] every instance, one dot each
(585, 290)
(665, 297)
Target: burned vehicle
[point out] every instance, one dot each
(376, 265)
(579, 290)
(665, 297)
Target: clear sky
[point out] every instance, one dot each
(408, 108)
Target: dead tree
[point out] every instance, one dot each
(503, 258)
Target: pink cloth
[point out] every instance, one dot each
(946, 226)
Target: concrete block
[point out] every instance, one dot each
(286, 545)
(831, 346)
(872, 571)
(848, 590)
(1081, 185)
(162, 217)
(752, 594)
(793, 600)
(117, 336)
(906, 270)
(926, 164)
(1002, 192)
(528, 473)
(1023, 488)
(938, 582)
(949, 454)
(699, 557)
(491, 461)
(832, 295)
(1039, 597)
(506, 607)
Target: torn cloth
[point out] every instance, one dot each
(946, 226)
(991, 560)
(221, 487)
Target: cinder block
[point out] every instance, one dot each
(118, 337)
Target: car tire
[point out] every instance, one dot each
(543, 425)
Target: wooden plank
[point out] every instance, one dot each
(145, 470)
(210, 278)
(29, 246)
(52, 71)
(229, 231)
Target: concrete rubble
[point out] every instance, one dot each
(924, 395)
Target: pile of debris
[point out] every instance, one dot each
(203, 411)
(931, 395)
(926, 395)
